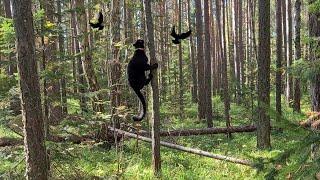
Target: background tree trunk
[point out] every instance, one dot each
(12, 68)
(263, 121)
(297, 43)
(207, 50)
(34, 141)
(55, 113)
(87, 60)
(279, 56)
(289, 84)
(193, 61)
(200, 58)
(314, 32)
(155, 120)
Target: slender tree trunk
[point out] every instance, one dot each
(314, 33)
(207, 49)
(55, 113)
(200, 57)
(87, 61)
(80, 75)
(193, 63)
(115, 62)
(263, 121)
(279, 56)
(34, 140)
(180, 64)
(289, 83)
(62, 59)
(12, 68)
(231, 41)
(297, 43)
(241, 53)
(155, 124)
(285, 39)
(225, 86)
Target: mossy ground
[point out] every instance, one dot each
(69, 161)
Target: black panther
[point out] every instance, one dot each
(136, 74)
(99, 24)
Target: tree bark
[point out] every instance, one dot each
(289, 83)
(81, 87)
(180, 65)
(225, 86)
(115, 66)
(263, 123)
(12, 67)
(34, 140)
(62, 59)
(279, 56)
(200, 58)
(314, 33)
(206, 131)
(87, 60)
(207, 50)
(193, 61)
(297, 43)
(155, 120)
(55, 113)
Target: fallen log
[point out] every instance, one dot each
(204, 131)
(186, 149)
(6, 141)
(218, 130)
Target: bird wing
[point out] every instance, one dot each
(185, 35)
(100, 19)
(173, 33)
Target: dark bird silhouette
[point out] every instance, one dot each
(99, 24)
(178, 37)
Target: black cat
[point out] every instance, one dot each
(136, 74)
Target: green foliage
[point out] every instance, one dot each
(7, 36)
(306, 70)
(6, 83)
(314, 7)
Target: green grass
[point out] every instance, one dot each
(71, 161)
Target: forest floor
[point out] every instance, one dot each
(288, 158)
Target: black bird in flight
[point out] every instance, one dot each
(178, 37)
(99, 23)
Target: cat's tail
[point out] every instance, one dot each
(144, 105)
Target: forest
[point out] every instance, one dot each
(159, 89)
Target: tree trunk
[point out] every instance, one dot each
(87, 61)
(62, 59)
(155, 120)
(285, 39)
(289, 84)
(314, 33)
(200, 57)
(241, 53)
(297, 43)
(35, 150)
(225, 86)
(55, 113)
(115, 66)
(279, 56)
(180, 65)
(263, 122)
(81, 87)
(12, 68)
(207, 50)
(193, 61)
